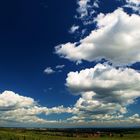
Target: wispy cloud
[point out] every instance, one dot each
(73, 29)
(133, 4)
(60, 66)
(50, 70)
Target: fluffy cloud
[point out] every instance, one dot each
(105, 91)
(17, 109)
(116, 39)
(9, 101)
(49, 70)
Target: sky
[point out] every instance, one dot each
(72, 63)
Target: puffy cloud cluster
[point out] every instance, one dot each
(117, 39)
(92, 107)
(16, 109)
(105, 92)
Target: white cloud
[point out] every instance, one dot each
(17, 109)
(105, 91)
(86, 9)
(60, 66)
(106, 121)
(49, 70)
(73, 29)
(9, 100)
(116, 39)
(83, 7)
(137, 2)
(133, 4)
(96, 3)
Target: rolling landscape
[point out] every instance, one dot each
(70, 134)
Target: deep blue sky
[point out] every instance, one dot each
(29, 31)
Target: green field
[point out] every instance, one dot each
(23, 134)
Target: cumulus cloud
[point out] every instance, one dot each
(105, 91)
(17, 109)
(49, 70)
(9, 101)
(117, 39)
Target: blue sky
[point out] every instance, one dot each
(72, 63)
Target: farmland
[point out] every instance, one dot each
(69, 134)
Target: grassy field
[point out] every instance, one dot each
(23, 134)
